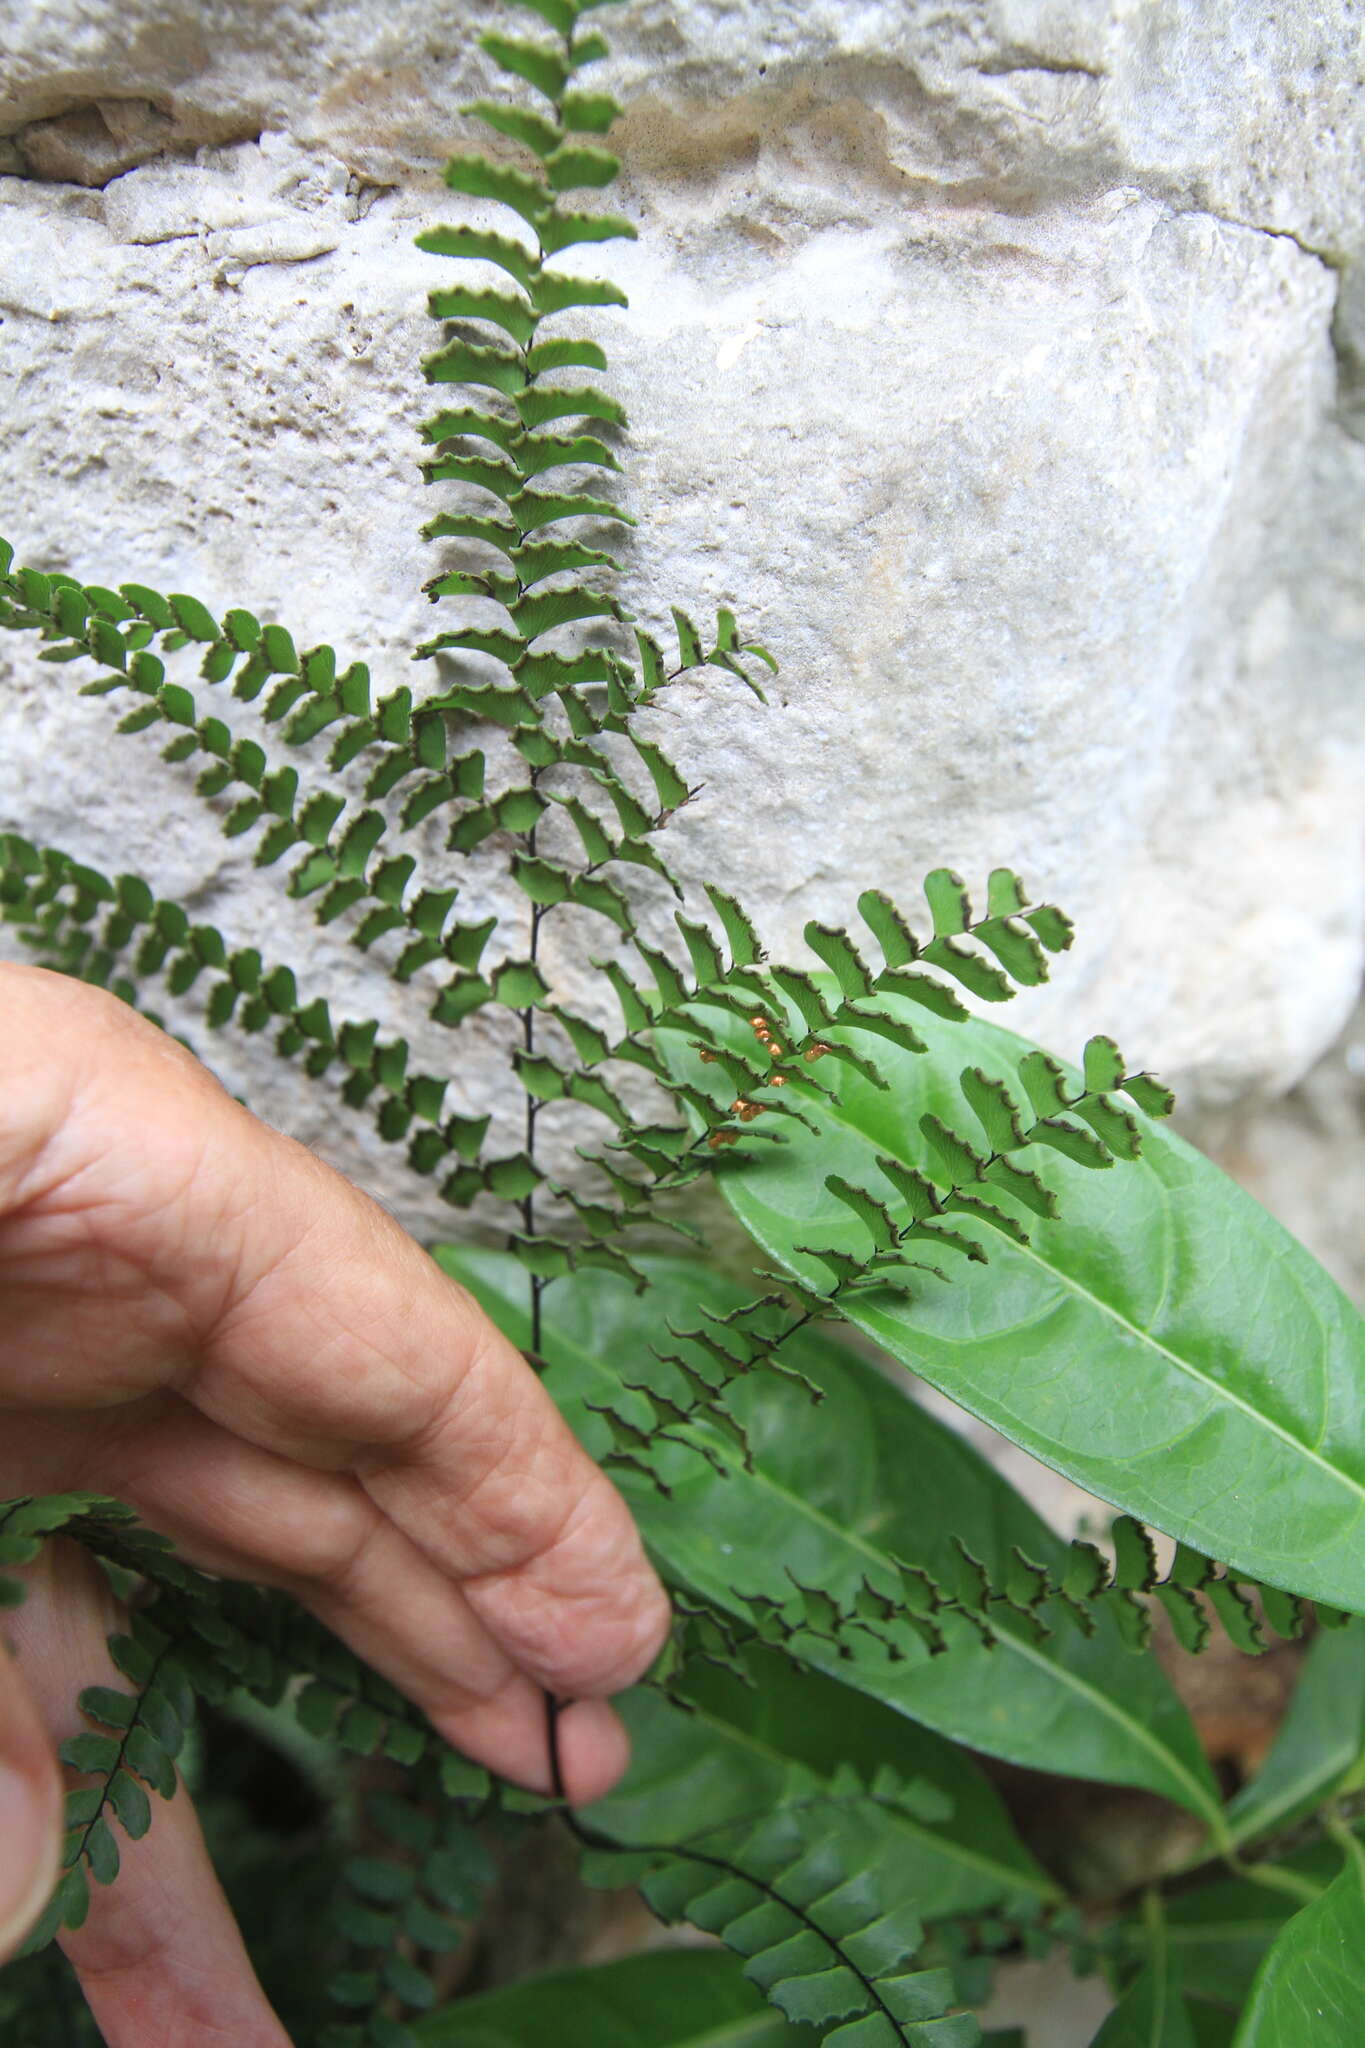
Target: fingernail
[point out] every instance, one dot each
(30, 1852)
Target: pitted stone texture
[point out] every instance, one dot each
(1238, 111)
(980, 357)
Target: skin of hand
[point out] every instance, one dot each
(200, 1318)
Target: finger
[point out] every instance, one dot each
(290, 1309)
(242, 1512)
(30, 1810)
(449, 1432)
(594, 1750)
(159, 1957)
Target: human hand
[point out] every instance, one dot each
(199, 1317)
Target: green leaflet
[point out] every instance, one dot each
(479, 178)
(792, 1733)
(572, 168)
(1311, 1986)
(468, 302)
(567, 230)
(537, 509)
(675, 1998)
(423, 1875)
(509, 255)
(537, 64)
(888, 927)
(810, 1504)
(814, 1901)
(564, 354)
(520, 124)
(592, 113)
(1164, 1342)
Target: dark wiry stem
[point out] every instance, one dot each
(592, 1839)
(528, 1207)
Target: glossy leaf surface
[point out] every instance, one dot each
(1164, 1342)
(1311, 1987)
(743, 1747)
(1216, 1935)
(676, 1998)
(838, 1491)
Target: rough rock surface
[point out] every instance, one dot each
(1000, 363)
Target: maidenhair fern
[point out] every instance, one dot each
(902, 1166)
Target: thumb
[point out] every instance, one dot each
(30, 1810)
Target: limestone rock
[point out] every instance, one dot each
(93, 144)
(983, 358)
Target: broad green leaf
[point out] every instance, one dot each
(1311, 1986)
(1320, 1746)
(1217, 1934)
(1151, 2013)
(1165, 1343)
(742, 1747)
(834, 1497)
(1211, 2026)
(675, 1998)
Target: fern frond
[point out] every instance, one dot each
(339, 844)
(892, 1607)
(26, 1524)
(811, 1897)
(135, 1735)
(419, 1883)
(89, 926)
(55, 902)
(1019, 935)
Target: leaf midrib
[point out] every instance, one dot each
(1145, 1337)
(1312, 1784)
